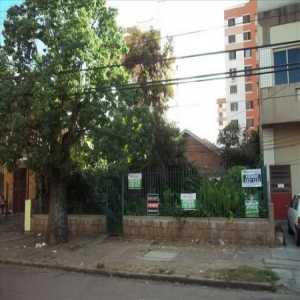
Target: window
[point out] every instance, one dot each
(248, 70)
(294, 58)
(280, 60)
(298, 94)
(232, 55)
(247, 36)
(235, 122)
(249, 123)
(287, 74)
(220, 115)
(247, 53)
(249, 105)
(231, 22)
(234, 106)
(232, 72)
(246, 19)
(220, 123)
(231, 39)
(233, 89)
(248, 87)
(297, 203)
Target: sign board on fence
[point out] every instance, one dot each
(152, 204)
(134, 181)
(252, 205)
(251, 178)
(188, 201)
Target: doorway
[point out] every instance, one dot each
(19, 190)
(281, 191)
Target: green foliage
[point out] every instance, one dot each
(50, 108)
(46, 110)
(139, 137)
(244, 273)
(230, 136)
(144, 49)
(237, 151)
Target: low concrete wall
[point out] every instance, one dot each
(78, 224)
(202, 230)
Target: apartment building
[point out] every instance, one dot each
(279, 22)
(241, 92)
(222, 114)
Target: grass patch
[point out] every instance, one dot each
(244, 273)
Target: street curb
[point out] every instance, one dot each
(252, 286)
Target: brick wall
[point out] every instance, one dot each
(203, 230)
(78, 224)
(200, 156)
(259, 232)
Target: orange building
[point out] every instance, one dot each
(242, 91)
(16, 187)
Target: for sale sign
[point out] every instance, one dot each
(252, 205)
(134, 181)
(188, 201)
(251, 178)
(152, 204)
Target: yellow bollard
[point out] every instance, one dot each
(27, 216)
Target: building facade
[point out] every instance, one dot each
(280, 99)
(222, 113)
(202, 154)
(241, 91)
(16, 187)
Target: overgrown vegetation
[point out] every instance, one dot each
(220, 196)
(244, 273)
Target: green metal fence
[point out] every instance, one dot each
(216, 196)
(163, 189)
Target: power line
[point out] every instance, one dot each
(176, 58)
(176, 35)
(182, 80)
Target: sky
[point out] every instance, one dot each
(4, 5)
(194, 105)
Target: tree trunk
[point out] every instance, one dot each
(57, 231)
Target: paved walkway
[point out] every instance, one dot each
(138, 256)
(285, 261)
(189, 260)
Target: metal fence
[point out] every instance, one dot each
(177, 192)
(185, 192)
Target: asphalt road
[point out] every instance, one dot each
(18, 283)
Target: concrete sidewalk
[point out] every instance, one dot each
(285, 261)
(135, 256)
(106, 255)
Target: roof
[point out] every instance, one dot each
(202, 141)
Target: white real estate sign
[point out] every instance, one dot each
(134, 181)
(188, 201)
(251, 178)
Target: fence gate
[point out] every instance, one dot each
(114, 206)
(281, 193)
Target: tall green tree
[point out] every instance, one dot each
(49, 106)
(149, 59)
(238, 149)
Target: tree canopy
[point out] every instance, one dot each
(237, 149)
(54, 89)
